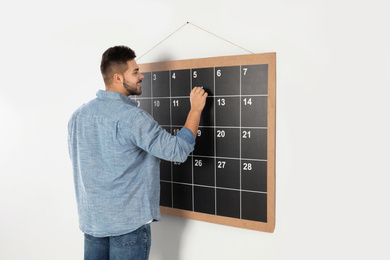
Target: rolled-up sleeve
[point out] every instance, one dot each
(187, 135)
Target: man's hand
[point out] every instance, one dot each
(198, 100)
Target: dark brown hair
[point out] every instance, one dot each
(114, 60)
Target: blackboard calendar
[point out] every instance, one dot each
(229, 177)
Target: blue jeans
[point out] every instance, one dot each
(132, 246)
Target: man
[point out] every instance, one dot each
(115, 149)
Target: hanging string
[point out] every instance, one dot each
(221, 38)
(196, 27)
(161, 41)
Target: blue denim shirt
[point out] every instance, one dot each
(115, 149)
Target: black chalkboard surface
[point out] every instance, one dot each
(230, 176)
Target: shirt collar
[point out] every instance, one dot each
(115, 95)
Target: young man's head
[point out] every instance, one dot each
(120, 71)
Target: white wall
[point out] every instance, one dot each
(332, 170)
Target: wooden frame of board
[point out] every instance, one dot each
(250, 59)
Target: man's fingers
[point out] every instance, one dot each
(199, 90)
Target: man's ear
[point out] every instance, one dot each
(117, 78)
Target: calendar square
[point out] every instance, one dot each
(254, 111)
(227, 80)
(254, 206)
(203, 77)
(182, 172)
(227, 111)
(161, 111)
(228, 173)
(254, 143)
(160, 84)
(180, 108)
(165, 170)
(254, 175)
(146, 85)
(207, 117)
(205, 141)
(204, 171)
(254, 79)
(228, 203)
(145, 104)
(204, 200)
(180, 83)
(166, 194)
(228, 142)
(182, 196)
